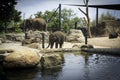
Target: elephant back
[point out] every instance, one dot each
(60, 35)
(35, 24)
(39, 24)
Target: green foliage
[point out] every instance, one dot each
(16, 16)
(68, 19)
(39, 15)
(17, 28)
(52, 21)
(105, 17)
(7, 9)
(65, 27)
(9, 13)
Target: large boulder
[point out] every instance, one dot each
(15, 36)
(29, 41)
(51, 60)
(75, 36)
(113, 35)
(34, 45)
(3, 39)
(38, 34)
(22, 57)
(0, 42)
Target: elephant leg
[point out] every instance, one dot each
(61, 45)
(56, 45)
(52, 43)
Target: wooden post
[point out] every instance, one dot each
(24, 27)
(96, 17)
(59, 17)
(75, 25)
(43, 39)
(6, 27)
(86, 34)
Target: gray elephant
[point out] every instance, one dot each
(57, 37)
(35, 24)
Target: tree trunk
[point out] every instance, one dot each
(88, 22)
(88, 19)
(6, 27)
(88, 27)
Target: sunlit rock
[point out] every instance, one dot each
(87, 46)
(22, 57)
(75, 36)
(34, 45)
(51, 60)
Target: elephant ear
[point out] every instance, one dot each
(28, 24)
(53, 37)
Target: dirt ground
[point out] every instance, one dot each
(98, 42)
(105, 42)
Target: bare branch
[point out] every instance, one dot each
(84, 2)
(87, 1)
(82, 11)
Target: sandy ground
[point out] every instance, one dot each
(99, 42)
(105, 42)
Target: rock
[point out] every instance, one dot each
(19, 38)
(22, 57)
(76, 47)
(104, 51)
(87, 46)
(26, 41)
(75, 36)
(3, 51)
(15, 37)
(34, 45)
(30, 41)
(38, 34)
(3, 39)
(51, 60)
(113, 35)
(0, 42)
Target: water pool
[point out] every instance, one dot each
(76, 66)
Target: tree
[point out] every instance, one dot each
(7, 9)
(16, 19)
(39, 14)
(87, 16)
(107, 24)
(106, 16)
(16, 16)
(67, 16)
(52, 18)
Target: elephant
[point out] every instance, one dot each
(57, 37)
(35, 24)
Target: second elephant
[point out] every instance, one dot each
(57, 37)
(35, 24)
